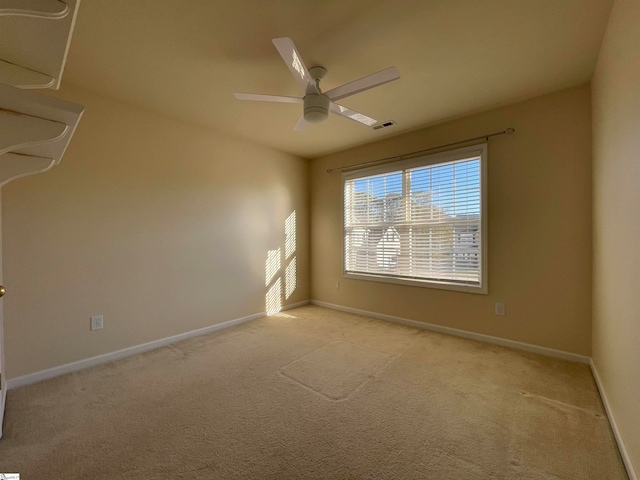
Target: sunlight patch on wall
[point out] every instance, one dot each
(272, 266)
(274, 298)
(290, 278)
(273, 269)
(290, 235)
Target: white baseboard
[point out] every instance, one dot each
(127, 352)
(626, 459)
(295, 305)
(3, 401)
(549, 352)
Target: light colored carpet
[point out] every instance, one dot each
(315, 394)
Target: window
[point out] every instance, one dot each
(419, 222)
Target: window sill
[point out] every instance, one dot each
(441, 285)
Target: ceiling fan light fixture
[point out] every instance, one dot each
(316, 108)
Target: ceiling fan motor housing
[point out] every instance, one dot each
(316, 107)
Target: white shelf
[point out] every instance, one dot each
(34, 131)
(35, 8)
(20, 130)
(24, 78)
(34, 41)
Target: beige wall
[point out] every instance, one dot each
(616, 154)
(539, 227)
(161, 226)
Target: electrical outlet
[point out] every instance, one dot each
(338, 286)
(500, 309)
(97, 322)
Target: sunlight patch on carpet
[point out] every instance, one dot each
(336, 370)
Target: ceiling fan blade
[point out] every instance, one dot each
(267, 98)
(352, 114)
(365, 83)
(292, 58)
(301, 125)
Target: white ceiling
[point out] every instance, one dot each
(185, 58)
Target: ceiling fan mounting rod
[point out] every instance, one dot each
(317, 72)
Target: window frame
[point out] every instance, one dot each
(479, 150)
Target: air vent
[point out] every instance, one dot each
(386, 124)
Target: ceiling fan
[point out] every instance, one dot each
(317, 104)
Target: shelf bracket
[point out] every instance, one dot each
(16, 165)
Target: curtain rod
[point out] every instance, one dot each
(404, 156)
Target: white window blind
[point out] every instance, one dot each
(420, 223)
